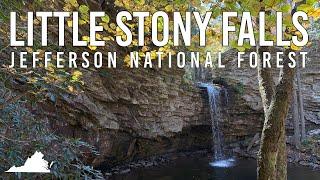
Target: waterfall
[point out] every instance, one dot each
(215, 94)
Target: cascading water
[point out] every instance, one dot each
(215, 101)
(215, 114)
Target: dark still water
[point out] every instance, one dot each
(199, 168)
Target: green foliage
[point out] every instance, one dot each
(21, 134)
(239, 88)
(105, 19)
(6, 6)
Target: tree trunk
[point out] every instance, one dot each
(295, 110)
(301, 109)
(273, 140)
(272, 156)
(281, 165)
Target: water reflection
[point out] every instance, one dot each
(199, 168)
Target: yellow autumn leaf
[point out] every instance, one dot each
(41, 53)
(50, 68)
(147, 29)
(132, 25)
(85, 38)
(315, 14)
(145, 48)
(69, 23)
(294, 47)
(127, 60)
(23, 18)
(70, 88)
(93, 48)
(309, 44)
(36, 22)
(105, 19)
(153, 55)
(113, 26)
(73, 3)
(173, 52)
(140, 2)
(84, 10)
(142, 54)
(108, 38)
(99, 37)
(77, 73)
(298, 33)
(29, 49)
(67, 7)
(124, 37)
(169, 8)
(162, 49)
(82, 22)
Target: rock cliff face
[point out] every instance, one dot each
(137, 113)
(244, 116)
(132, 113)
(310, 77)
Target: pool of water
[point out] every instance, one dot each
(199, 168)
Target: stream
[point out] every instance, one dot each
(199, 168)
